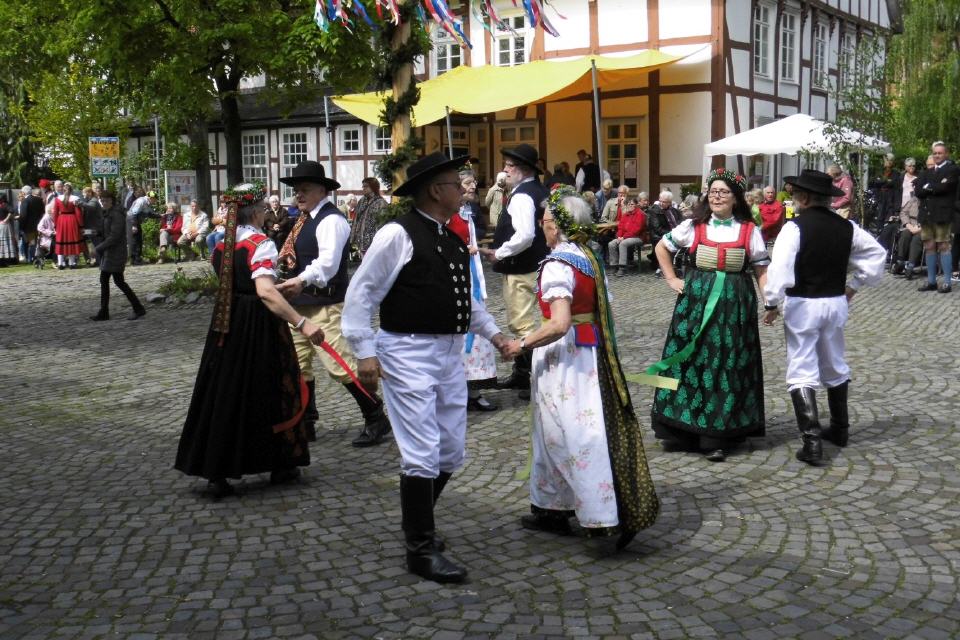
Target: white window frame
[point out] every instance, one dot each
(820, 63)
(381, 140)
(789, 40)
(149, 145)
(847, 58)
(761, 40)
(622, 140)
(500, 144)
(452, 52)
(289, 160)
(523, 30)
(341, 139)
(249, 158)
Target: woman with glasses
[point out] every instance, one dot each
(712, 351)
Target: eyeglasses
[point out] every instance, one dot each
(719, 193)
(509, 164)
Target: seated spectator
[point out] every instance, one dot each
(276, 223)
(614, 206)
(754, 197)
(46, 231)
(772, 215)
(349, 208)
(605, 194)
(786, 193)
(909, 249)
(643, 199)
(561, 174)
(630, 229)
(194, 232)
(219, 228)
(591, 200)
(687, 206)
(662, 217)
(171, 227)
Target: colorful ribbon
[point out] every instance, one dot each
(343, 365)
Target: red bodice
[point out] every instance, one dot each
(584, 303)
(460, 227)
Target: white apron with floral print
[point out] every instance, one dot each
(571, 463)
(480, 360)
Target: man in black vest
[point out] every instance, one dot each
(937, 189)
(519, 246)
(315, 257)
(811, 258)
(417, 272)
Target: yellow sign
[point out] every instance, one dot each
(104, 156)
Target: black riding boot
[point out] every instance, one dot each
(423, 558)
(375, 423)
(548, 520)
(805, 408)
(520, 376)
(310, 415)
(839, 430)
(438, 484)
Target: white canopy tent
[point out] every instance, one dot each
(789, 136)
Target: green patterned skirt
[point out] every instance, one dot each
(720, 394)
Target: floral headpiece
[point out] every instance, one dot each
(728, 176)
(575, 232)
(244, 194)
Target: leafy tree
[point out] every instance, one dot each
(924, 66)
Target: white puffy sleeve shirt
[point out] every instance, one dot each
(333, 234)
(682, 236)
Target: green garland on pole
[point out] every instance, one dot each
(393, 60)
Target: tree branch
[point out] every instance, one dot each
(168, 16)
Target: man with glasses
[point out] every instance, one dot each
(417, 274)
(519, 246)
(314, 257)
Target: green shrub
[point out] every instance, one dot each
(206, 283)
(151, 238)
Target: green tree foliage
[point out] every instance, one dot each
(17, 150)
(924, 66)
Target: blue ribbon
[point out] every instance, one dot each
(478, 296)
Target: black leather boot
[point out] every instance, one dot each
(438, 484)
(805, 408)
(557, 522)
(310, 415)
(375, 423)
(423, 559)
(519, 378)
(839, 430)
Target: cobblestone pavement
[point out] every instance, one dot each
(100, 537)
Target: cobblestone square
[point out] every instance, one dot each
(101, 538)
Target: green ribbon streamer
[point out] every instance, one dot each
(659, 367)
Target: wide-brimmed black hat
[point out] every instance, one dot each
(310, 171)
(815, 182)
(425, 168)
(525, 154)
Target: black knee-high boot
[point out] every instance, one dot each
(423, 558)
(375, 423)
(310, 415)
(805, 408)
(839, 430)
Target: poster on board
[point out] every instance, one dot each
(181, 187)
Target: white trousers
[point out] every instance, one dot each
(424, 387)
(815, 345)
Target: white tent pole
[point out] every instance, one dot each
(596, 114)
(449, 135)
(326, 117)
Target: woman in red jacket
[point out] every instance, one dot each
(630, 230)
(171, 228)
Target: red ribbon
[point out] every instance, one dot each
(343, 365)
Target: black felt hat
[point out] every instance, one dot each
(815, 182)
(425, 168)
(310, 171)
(524, 154)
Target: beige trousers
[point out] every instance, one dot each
(326, 317)
(520, 298)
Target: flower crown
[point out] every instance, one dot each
(722, 173)
(244, 194)
(575, 232)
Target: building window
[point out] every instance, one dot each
(788, 47)
(350, 140)
(510, 135)
(447, 54)
(622, 149)
(820, 43)
(511, 47)
(761, 41)
(847, 58)
(382, 141)
(150, 148)
(293, 151)
(254, 149)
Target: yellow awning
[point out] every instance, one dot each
(488, 89)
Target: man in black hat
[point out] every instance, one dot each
(314, 257)
(811, 258)
(417, 273)
(519, 246)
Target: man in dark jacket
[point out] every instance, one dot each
(937, 190)
(31, 210)
(662, 216)
(112, 256)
